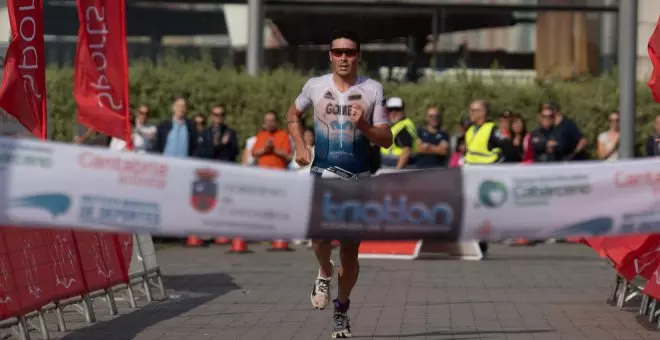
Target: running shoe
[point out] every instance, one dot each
(341, 327)
(321, 290)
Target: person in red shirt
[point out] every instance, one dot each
(272, 148)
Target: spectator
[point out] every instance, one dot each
(483, 141)
(401, 153)
(461, 129)
(457, 156)
(272, 148)
(541, 136)
(309, 138)
(653, 143)
(433, 143)
(505, 123)
(87, 136)
(199, 124)
(247, 158)
(608, 141)
(521, 139)
(175, 137)
(143, 134)
(567, 142)
(221, 140)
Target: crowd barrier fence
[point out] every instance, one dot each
(45, 271)
(636, 260)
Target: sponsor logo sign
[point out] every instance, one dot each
(638, 179)
(56, 204)
(111, 211)
(384, 207)
(204, 191)
(25, 156)
(589, 227)
(130, 171)
(231, 204)
(531, 191)
(641, 222)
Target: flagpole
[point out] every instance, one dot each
(627, 76)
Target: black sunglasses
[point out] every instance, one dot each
(349, 52)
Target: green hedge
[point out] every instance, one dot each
(247, 98)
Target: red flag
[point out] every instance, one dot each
(101, 68)
(23, 91)
(654, 54)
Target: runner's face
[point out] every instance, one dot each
(344, 56)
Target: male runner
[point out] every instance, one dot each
(348, 114)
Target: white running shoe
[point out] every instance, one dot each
(320, 296)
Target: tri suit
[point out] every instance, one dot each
(338, 142)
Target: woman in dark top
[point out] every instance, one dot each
(520, 138)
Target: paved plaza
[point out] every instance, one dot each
(555, 291)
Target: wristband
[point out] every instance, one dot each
(292, 121)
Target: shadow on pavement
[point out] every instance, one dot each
(467, 333)
(194, 290)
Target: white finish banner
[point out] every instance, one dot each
(58, 185)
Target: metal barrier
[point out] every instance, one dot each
(144, 274)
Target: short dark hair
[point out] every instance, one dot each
(551, 105)
(274, 113)
(346, 33)
(179, 96)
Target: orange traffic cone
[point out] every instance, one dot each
(521, 242)
(238, 246)
(222, 240)
(194, 241)
(280, 245)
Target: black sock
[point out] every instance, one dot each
(342, 307)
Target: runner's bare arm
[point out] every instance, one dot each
(294, 123)
(379, 132)
(295, 113)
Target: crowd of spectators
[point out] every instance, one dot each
(556, 139)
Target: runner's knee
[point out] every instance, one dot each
(348, 253)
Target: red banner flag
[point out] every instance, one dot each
(654, 54)
(23, 91)
(101, 68)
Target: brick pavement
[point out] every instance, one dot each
(540, 293)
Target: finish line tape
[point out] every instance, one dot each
(54, 185)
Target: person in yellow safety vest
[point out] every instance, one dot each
(484, 142)
(401, 153)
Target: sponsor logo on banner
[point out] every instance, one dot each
(531, 191)
(229, 204)
(415, 205)
(130, 171)
(204, 191)
(111, 211)
(25, 156)
(56, 204)
(641, 222)
(390, 210)
(591, 227)
(638, 179)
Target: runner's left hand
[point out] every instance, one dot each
(356, 114)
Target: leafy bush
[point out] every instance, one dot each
(246, 98)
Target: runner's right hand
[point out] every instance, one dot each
(303, 156)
